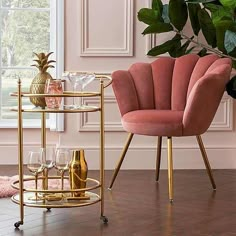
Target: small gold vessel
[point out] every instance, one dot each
(78, 172)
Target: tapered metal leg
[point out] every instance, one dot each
(158, 160)
(170, 168)
(130, 136)
(207, 164)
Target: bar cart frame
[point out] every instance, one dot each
(22, 196)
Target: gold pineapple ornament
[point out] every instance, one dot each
(38, 84)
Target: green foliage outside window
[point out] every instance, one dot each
(25, 28)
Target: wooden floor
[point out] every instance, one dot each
(139, 206)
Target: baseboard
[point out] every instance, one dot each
(142, 157)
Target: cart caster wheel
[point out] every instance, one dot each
(17, 224)
(104, 219)
(48, 209)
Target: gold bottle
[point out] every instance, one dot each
(78, 172)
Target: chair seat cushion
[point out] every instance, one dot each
(154, 122)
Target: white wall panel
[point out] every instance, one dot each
(107, 28)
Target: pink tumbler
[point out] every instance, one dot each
(53, 86)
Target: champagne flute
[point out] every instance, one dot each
(35, 166)
(62, 163)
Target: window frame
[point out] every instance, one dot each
(55, 121)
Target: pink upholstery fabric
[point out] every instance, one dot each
(204, 100)
(181, 75)
(154, 122)
(200, 69)
(125, 91)
(142, 77)
(162, 70)
(171, 97)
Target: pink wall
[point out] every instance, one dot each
(101, 42)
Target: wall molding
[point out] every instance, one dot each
(87, 126)
(227, 123)
(127, 50)
(135, 155)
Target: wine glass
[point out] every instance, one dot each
(62, 163)
(79, 80)
(48, 158)
(35, 166)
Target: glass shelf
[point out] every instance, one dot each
(63, 109)
(65, 94)
(93, 198)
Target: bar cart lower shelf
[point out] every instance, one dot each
(93, 198)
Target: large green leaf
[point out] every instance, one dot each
(158, 28)
(165, 47)
(221, 28)
(234, 64)
(202, 52)
(193, 15)
(173, 51)
(230, 41)
(219, 13)
(207, 26)
(229, 3)
(231, 87)
(157, 5)
(178, 13)
(148, 16)
(177, 50)
(182, 50)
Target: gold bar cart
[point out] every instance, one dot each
(23, 197)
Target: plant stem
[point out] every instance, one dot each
(204, 46)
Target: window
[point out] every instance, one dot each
(27, 26)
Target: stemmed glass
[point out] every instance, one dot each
(48, 158)
(62, 163)
(79, 80)
(35, 166)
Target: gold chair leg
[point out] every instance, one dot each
(207, 164)
(130, 136)
(170, 168)
(158, 160)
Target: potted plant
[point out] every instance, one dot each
(215, 20)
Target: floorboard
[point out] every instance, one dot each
(138, 206)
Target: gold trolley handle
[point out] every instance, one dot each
(104, 77)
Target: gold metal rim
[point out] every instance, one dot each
(77, 203)
(58, 110)
(97, 185)
(64, 94)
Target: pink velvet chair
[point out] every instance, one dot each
(173, 98)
